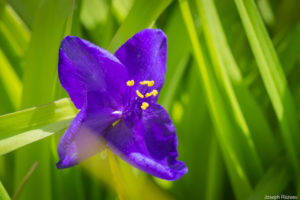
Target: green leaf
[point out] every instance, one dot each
(178, 57)
(27, 9)
(219, 112)
(288, 49)
(142, 15)
(34, 119)
(215, 173)
(15, 26)
(273, 77)
(274, 181)
(219, 53)
(10, 81)
(247, 113)
(28, 137)
(3, 193)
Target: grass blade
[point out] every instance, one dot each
(217, 50)
(248, 113)
(218, 111)
(28, 137)
(142, 15)
(273, 77)
(274, 181)
(118, 182)
(10, 81)
(36, 117)
(24, 127)
(3, 193)
(178, 57)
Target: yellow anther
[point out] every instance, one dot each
(130, 83)
(154, 92)
(144, 82)
(144, 105)
(115, 123)
(150, 83)
(139, 94)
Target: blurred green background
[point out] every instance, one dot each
(232, 89)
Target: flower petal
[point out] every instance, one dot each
(84, 67)
(145, 56)
(84, 136)
(148, 143)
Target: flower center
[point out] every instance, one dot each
(142, 97)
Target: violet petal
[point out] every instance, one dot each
(148, 142)
(84, 136)
(144, 55)
(84, 67)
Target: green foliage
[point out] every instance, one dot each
(232, 89)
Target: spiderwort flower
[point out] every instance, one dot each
(117, 95)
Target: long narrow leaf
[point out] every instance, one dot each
(218, 111)
(3, 193)
(142, 14)
(35, 118)
(248, 113)
(272, 75)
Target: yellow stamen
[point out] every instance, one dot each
(150, 83)
(144, 82)
(154, 92)
(139, 94)
(148, 95)
(130, 83)
(115, 123)
(144, 105)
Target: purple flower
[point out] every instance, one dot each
(117, 95)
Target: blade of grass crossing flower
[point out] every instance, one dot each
(118, 182)
(34, 118)
(29, 125)
(3, 193)
(217, 108)
(273, 77)
(247, 111)
(139, 185)
(142, 14)
(141, 188)
(28, 137)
